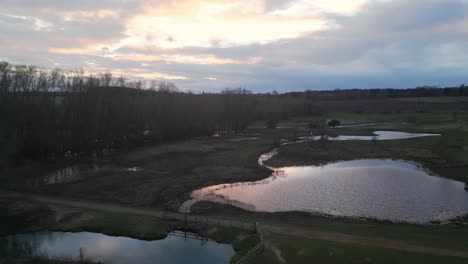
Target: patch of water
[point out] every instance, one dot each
(373, 188)
(381, 189)
(108, 249)
(378, 135)
(64, 175)
(135, 169)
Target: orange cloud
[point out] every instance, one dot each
(132, 73)
(207, 23)
(76, 51)
(90, 15)
(159, 75)
(189, 59)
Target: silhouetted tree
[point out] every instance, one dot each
(333, 123)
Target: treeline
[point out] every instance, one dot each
(359, 94)
(50, 113)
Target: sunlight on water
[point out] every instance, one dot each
(382, 189)
(108, 249)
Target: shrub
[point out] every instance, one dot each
(333, 123)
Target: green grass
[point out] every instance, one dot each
(446, 155)
(435, 99)
(349, 117)
(22, 216)
(243, 241)
(447, 236)
(298, 250)
(438, 237)
(116, 224)
(150, 228)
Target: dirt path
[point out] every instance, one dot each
(283, 230)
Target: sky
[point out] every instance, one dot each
(261, 45)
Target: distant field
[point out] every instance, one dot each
(441, 99)
(446, 155)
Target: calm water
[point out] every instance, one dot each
(63, 175)
(115, 250)
(75, 173)
(381, 135)
(382, 189)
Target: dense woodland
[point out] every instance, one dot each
(46, 114)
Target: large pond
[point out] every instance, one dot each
(107, 249)
(381, 189)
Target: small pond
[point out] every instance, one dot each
(380, 135)
(108, 249)
(76, 173)
(62, 175)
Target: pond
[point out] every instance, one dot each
(382, 189)
(108, 249)
(76, 173)
(380, 135)
(62, 175)
(374, 188)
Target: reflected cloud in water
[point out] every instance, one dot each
(374, 188)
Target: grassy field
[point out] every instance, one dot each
(438, 236)
(446, 155)
(435, 99)
(242, 240)
(290, 249)
(286, 249)
(170, 172)
(21, 217)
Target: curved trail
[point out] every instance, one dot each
(277, 229)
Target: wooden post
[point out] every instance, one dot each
(185, 218)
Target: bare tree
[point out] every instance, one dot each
(167, 87)
(121, 81)
(106, 79)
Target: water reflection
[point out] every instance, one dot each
(63, 175)
(75, 173)
(135, 169)
(378, 135)
(365, 124)
(243, 139)
(383, 189)
(107, 249)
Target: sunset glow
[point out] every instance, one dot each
(323, 43)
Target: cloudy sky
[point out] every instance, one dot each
(262, 45)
